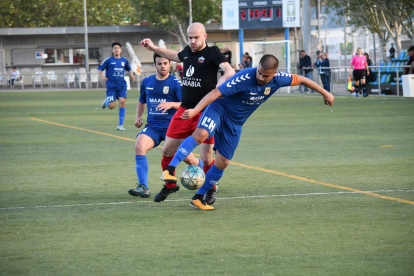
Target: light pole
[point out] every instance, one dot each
(191, 12)
(326, 27)
(86, 41)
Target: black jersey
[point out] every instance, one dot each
(200, 73)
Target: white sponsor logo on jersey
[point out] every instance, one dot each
(190, 71)
(192, 83)
(152, 100)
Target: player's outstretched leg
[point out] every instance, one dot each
(213, 175)
(171, 186)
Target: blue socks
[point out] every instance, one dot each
(212, 177)
(186, 147)
(141, 166)
(200, 163)
(121, 115)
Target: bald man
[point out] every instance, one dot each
(201, 65)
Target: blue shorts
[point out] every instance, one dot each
(113, 93)
(226, 133)
(155, 133)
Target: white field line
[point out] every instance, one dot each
(176, 200)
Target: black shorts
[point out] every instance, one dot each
(358, 74)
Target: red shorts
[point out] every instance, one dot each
(181, 129)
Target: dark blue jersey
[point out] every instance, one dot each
(242, 95)
(154, 92)
(115, 71)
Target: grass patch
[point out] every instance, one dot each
(65, 210)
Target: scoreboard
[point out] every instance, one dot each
(260, 14)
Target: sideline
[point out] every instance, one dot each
(374, 194)
(179, 200)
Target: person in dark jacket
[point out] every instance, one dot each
(325, 73)
(305, 65)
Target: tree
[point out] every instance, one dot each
(173, 15)
(58, 13)
(401, 12)
(385, 18)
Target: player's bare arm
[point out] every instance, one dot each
(103, 78)
(328, 98)
(228, 73)
(206, 100)
(163, 107)
(131, 75)
(140, 111)
(166, 53)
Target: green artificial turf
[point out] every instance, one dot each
(311, 190)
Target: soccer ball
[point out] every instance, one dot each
(192, 177)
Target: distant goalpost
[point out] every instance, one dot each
(280, 49)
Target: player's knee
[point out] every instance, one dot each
(111, 105)
(139, 149)
(168, 150)
(200, 135)
(221, 163)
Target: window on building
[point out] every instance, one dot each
(71, 56)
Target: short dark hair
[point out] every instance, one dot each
(116, 43)
(157, 55)
(318, 52)
(411, 48)
(366, 54)
(302, 51)
(269, 62)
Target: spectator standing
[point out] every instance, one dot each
(369, 76)
(392, 51)
(326, 72)
(360, 67)
(318, 62)
(305, 65)
(249, 62)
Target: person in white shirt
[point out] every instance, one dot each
(15, 75)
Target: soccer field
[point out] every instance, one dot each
(312, 190)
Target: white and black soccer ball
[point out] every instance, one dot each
(192, 177)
